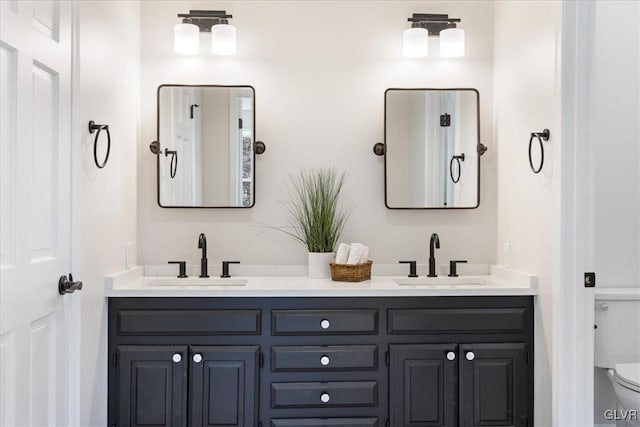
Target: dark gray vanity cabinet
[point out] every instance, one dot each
(493, 384)
(339, 362)
(424, 385)
(486, 381)
(223, 385)
(152, 385)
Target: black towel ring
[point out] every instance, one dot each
(93, 127)
(173, 166)
(457, 160)
(542, 136)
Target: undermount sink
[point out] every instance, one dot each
(196, 281)
(440, 281)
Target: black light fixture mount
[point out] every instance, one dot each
(205, 19)
(433, 22)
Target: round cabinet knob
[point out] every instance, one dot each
(451, 355)
(324, 360)
(197, 358)
(177, 357)
(470, 355)
(325, 398)
(324, 324)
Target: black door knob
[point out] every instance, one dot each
(68, 286)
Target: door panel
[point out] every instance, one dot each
(423, 385)
(152, 386)
(493, 385)
(35, 225)
(224, 385)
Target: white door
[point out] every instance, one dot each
(35, 234)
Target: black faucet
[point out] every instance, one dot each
(433, 245)
(202, 244)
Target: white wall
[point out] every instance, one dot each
(320, 69)
(614, 110)
(109, 88)
(526, 101)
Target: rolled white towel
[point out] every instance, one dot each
(342, 255)
(355, 253)
(365, 255)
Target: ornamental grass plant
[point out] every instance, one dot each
(315, 209)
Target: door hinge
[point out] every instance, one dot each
(388, 423)
(590, 280)
(261, 360)
(115, 361)
(445, 120)
(239, 123)
(387, 358)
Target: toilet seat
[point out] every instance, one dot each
(628, 375)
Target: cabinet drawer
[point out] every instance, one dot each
(422, 321)
(325, 394)
(324, 322)
(188, 322)
(324, 358)
(325, 422)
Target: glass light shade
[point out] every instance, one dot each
(186, 39)
(452, 43)
(415, 42)
(223, 39)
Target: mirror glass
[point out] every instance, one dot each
(431, 148)
(206, 136)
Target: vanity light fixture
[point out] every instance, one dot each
(416, 39)
(216, 22)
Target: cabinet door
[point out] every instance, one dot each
(224, 386)
(423, 385)
(493, 385)
(152, 386)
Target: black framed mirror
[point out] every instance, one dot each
(205, 146)
(432, 148)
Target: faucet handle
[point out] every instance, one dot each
(412, 267)
(183, 268)
(225, 268)
(452, 267)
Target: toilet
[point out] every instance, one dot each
(617, 349)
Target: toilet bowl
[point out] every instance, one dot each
(617, 349)
(625, 379)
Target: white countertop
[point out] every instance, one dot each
(498, 281)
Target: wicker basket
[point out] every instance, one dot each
(351, 272)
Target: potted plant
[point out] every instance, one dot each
(317, 215)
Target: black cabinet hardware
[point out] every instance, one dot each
(452, 267)
(412, 268)
(183, 268)
(225, 268)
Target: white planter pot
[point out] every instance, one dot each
(319, 265)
